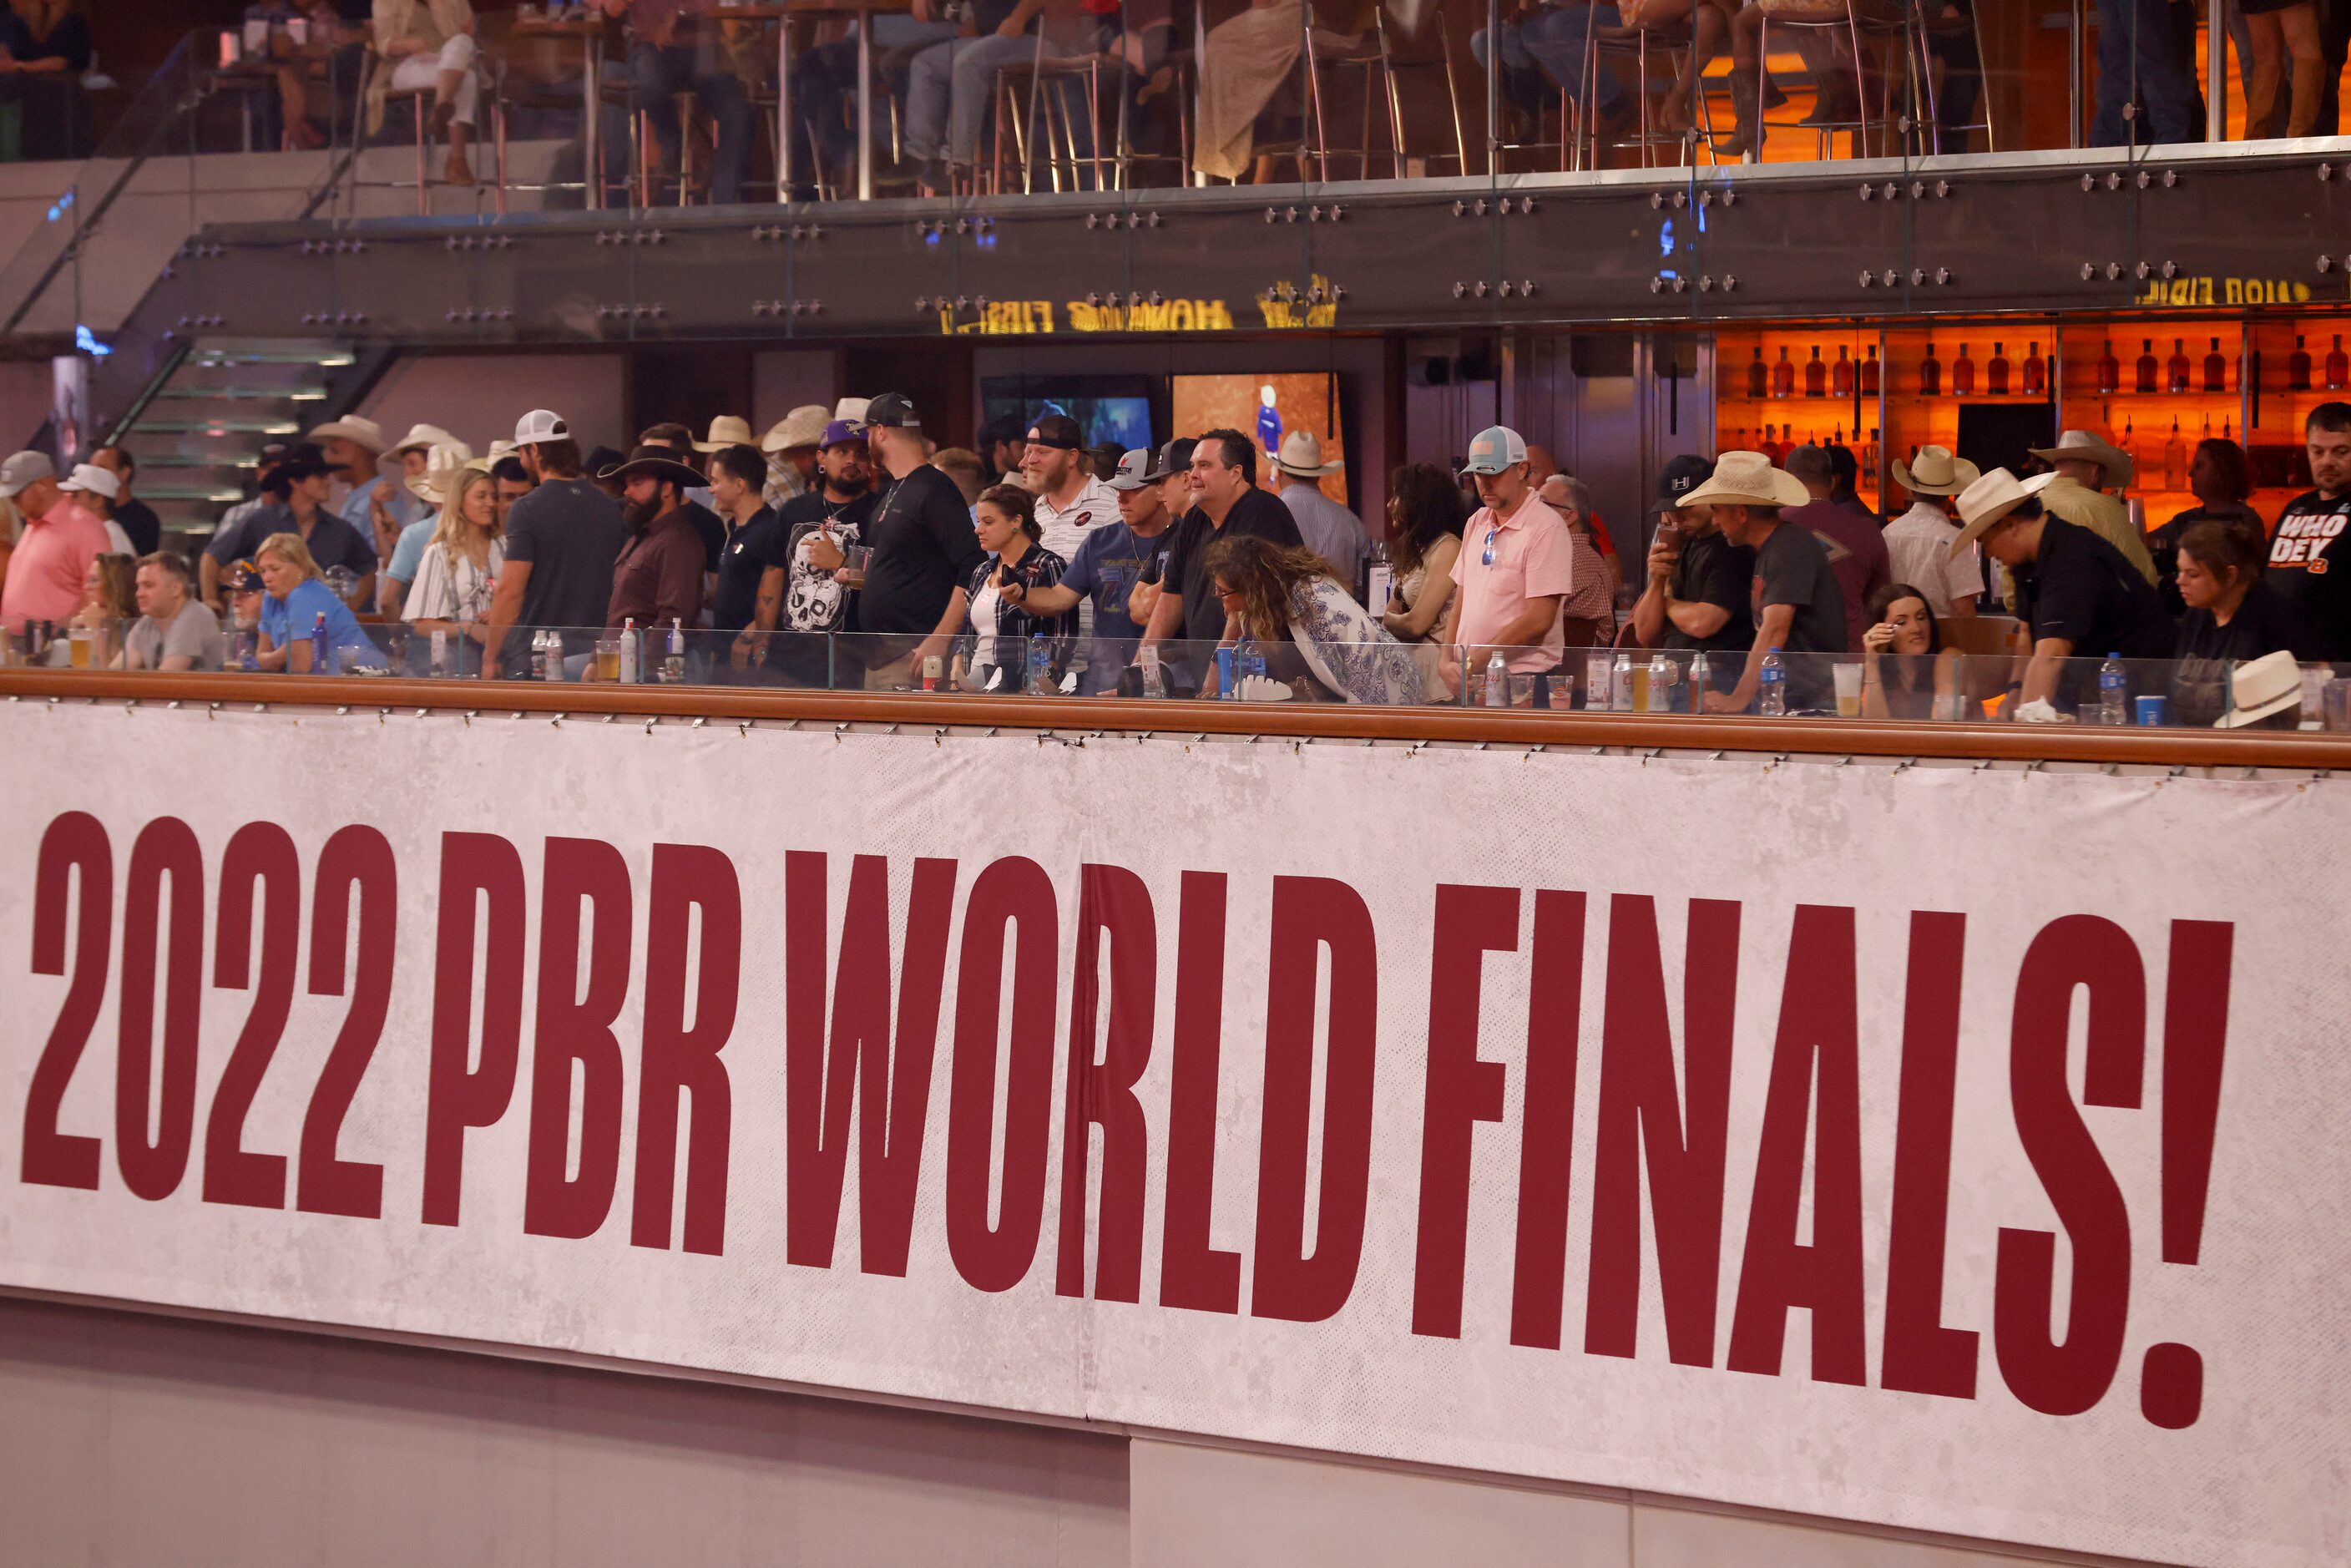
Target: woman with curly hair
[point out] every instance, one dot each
(1289, 600)
(1425, 522)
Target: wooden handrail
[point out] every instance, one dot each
(1320, 721)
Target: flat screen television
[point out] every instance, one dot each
(1266, 407)
(1113, 410)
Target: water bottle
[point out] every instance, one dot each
(248, 651)
(2113, 692)
(1661, 683)
(1040, 665)
(629, 675)
(1774, 698)
(1620, 684)
(1252, 658)
(673, 656)
(321, 654)
(1595, 680)
(1498, 683)
(1224, 673)
(440, 652)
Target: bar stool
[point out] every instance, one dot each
(1925, 29)
(419, 100)
(1830, 17)
(1397, 61)
(1055, 118)
(1633, 42)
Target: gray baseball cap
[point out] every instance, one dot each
(1133, 471)
(23, 469)
(1495, 449)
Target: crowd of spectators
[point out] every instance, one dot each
(844, 547)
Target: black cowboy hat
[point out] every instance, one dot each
(660, 462)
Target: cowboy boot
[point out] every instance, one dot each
(2309, 87)
(1747, 133)
(2260, 98)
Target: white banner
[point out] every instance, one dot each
(1955, 1150)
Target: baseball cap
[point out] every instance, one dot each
(90, 478)
(23, 469)
(843, 432)
(893, 411)
(1175, 457)
(242, 577)
(1057, 430)
(1133, 471)
(1680, 476)
(272, 453)
(1496, 448)
(540, 425)
(1003, 427)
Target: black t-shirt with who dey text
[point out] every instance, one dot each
(2310, 564)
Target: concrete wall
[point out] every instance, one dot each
(478, 397)
(134, 1440)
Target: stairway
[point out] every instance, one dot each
(195, 432)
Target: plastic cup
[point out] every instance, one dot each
(855, 559)
(608, 659)
(2336, 703)
(2153, 711)
(1848, 689)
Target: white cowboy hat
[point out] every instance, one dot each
(443, 463)
(1301, 455)
(726, 430)
(1747, 479)
(367, 433)
(1989, 498)
(851, 409)
(427, 436)
(1936, 473)
(500, 450)
(2081, 446)
(804, 426)
(2271, 683)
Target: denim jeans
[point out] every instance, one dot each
(659, 73)
(824, 81)
(1553, 39)
(2165, 56)
(949, 89)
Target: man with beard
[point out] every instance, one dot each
(819, 529)
(561, 538)
(657, 578)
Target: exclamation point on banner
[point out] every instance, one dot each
(2195, 1039)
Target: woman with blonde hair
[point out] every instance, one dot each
(295, 603)
(459, 569)
(1287, 598)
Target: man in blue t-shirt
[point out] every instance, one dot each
(1111, 560)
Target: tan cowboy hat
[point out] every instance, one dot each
(1991, 497)
(2080, 445)
(427, 436)
(442, 465)
(1301, 455)
(804, 426)
(366, 432)
(1747, 479)
(1936, 473)
(2260, 687)
(726, 431)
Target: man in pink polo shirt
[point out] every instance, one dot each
(52, 557)
(1515, 568)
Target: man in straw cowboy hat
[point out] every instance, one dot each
(1918, 542)
(1328, 530)
(791, 445)
(1794, 598)
(2087, 468)
(355, 448)
(2076, 592)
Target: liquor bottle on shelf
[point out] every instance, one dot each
(2130, 443)
(2297, 367)
(2036, 374)
(1738, 442)
(2174, 370)
(1930, 375)
(2216, 371)
(2224, 431)
(1869, 459)
(1869, 373)
(2175, 460)
(1759, 375)
(2110, 371)
(1996, 371)
(2146, 366)
(1783, 375)
(2338, 367)
(1768, 446)
(1816, 375)
(1841, 375)
(1963, 374)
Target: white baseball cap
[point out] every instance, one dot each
(540, 425)
(97, 481)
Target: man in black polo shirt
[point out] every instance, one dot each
(923, 547)
(2309, 554)
(2076, 591)
(1697, 599)
(1226, 503)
